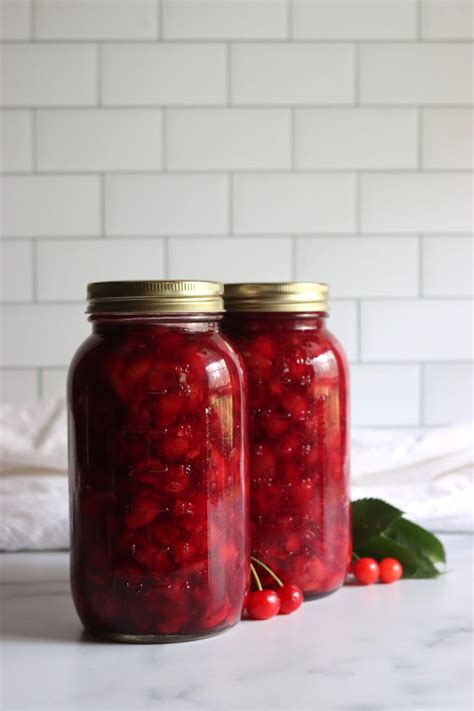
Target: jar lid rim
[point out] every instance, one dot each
(276, 296)
(155, 296)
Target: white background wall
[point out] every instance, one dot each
(245, 139)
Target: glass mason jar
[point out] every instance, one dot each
(298, 431)
(157, 465)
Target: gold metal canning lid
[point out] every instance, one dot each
(281, 296)
(152, 297)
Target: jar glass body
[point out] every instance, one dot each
(158, 478)
(298, 431)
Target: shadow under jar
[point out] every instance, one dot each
(298, 431)
(157, 465)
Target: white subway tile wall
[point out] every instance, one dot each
(274, 204)
(16, 141)
(16, 269)
(228, 139)
(231, 258)
(64, 266)
(386, 394)
(447, 266)
(160, 74)
(437, 151)
(19, 385)
(50, 206)
(356, 139)
(445, 386)
(166, 204)
(296, 73)
(231, 19)
(416, 73)
(245, 139)
(15, 19)
(96, 19)
(53, 382)
(347, 264)
(446, 19)
(362, 20)
(49, 74)
(110, 140)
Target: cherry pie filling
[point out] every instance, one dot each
(297, 401)
(158, 479)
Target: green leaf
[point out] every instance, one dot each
(425, 569)
(371, 517)
(417, 539)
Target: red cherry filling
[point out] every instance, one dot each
(298, 446)
(145, 508)
(159, 543)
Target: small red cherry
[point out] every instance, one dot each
(291, 598)
(366, 571)
(263, 604)
(390, 570)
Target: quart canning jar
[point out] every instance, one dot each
(298, 420)
(157, 464)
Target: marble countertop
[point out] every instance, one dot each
(402, 646)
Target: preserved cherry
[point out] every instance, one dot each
(298, 432)
(158, 481)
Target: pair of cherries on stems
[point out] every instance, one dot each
(264, 604)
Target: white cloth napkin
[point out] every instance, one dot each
(428, 474)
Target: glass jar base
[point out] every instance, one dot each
(317, 596)
(154, 638)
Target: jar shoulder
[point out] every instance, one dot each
(84, 353)
(100, 355)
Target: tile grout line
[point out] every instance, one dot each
(34, 271)
(33, 20)
(166, 257)
(230, 205)
(34, 140)
(419, 138)
(294, 249)
(292, 139)
(418, 21)
(247, 41)
(242, 106)
(420, 265)
(251, 235)
(159, 19)
(164, 142)
(289, 20)
(228, 77)
(204, 172)
(358, 220)
(357, 73)
(98, 69)
(102, 215)
(359, 330)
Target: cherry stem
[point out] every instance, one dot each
(265, 567)
(355, 556)
(255, 575)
